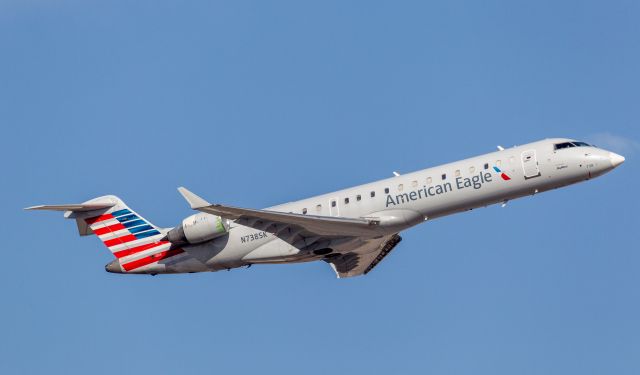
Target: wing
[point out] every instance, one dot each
(311, 233)
(355, 264)
(288, 225)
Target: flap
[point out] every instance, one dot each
(355, 264)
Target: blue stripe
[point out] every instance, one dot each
(147, 234)
(130, 224)
(496, 169)
(127, 218)
(140, 229)
(120, 212)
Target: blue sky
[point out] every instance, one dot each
(258, 103)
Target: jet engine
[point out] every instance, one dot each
(197, 229)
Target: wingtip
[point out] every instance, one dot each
(194, 200)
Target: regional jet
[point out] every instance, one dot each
(352, 230)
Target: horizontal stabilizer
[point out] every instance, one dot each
(73, 207)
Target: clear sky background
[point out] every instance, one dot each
(259, 103)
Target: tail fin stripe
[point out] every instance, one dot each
(109, 229)
(129, 224)
(127, 252)
(96, 219)
(112, 235)
(151, 259)
(141, 228)
(131, 244)
(104, 223)
(121, 212)
(127, 218)
(120, 240)
(146, 234)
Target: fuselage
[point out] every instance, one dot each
(409, 199)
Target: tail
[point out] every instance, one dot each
(122, 230)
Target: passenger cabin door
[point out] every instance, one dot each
(530, 164)
(334, 209)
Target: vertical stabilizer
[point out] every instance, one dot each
(133, 240)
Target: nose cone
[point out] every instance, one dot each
(616, 159)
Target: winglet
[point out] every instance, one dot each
(194, 201)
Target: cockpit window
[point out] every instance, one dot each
(582, 144)
(559, 146)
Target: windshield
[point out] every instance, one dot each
(559, 146)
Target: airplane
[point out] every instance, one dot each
(352, 230)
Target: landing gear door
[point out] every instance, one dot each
(530, 164)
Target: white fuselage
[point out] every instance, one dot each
(413, 198)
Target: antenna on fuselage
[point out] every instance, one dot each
(500, 148)
(396, 173)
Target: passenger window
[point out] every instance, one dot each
(457, 173)
(444, 176)
(486, 165)
(472, 170)
(400, 187)
(346, 201)
(304, 211)
(373, 194)
(358, 197)
(386, 190)
(414, 184)
(333, 203)
(429, 180)
(319, 208)
(498, 163)
(511, 160)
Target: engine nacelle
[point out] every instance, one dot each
(197, 229)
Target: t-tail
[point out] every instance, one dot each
(136, 243)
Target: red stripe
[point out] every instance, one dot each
(112, 228)
(120, 240)
(124, 253)
(151, 259)
(96, 219)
